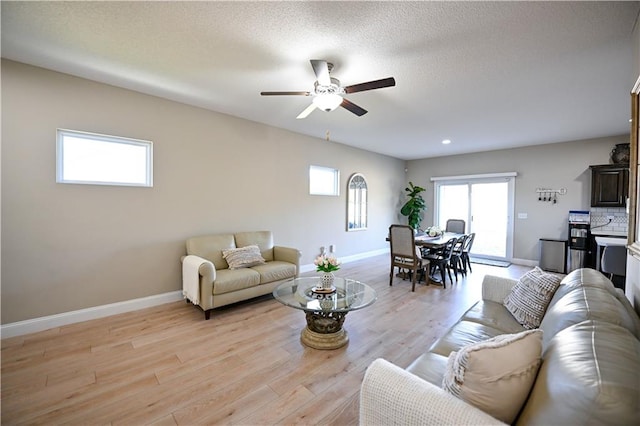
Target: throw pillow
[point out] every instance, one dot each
(530, 297)
(243, 257)
(496, 375)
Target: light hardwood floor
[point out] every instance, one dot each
(168, 366)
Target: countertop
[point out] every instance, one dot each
(597, 232)
(611, 241)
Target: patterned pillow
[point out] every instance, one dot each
(243, 257)
(530, 297)
(496, 375)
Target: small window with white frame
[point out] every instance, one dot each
(324, 181)
(94, 159)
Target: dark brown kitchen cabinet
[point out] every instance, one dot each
(609, 185)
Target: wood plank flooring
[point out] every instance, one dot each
(166, 365)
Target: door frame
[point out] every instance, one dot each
(508, 177)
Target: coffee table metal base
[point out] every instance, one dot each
(324, 340)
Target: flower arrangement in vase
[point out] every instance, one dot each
(327, 265)
(433, 231)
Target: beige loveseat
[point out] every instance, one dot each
(590, 370)
(217, 285)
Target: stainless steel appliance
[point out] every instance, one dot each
(553, 254)
(578, 243)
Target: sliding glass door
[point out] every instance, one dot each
(486, 205)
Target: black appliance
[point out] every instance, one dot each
(578, 243)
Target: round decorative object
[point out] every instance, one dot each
(326, 280)
(322, 293)
(620, 154)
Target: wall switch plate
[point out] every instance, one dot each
(522, 215)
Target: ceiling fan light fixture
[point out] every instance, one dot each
(327, 101)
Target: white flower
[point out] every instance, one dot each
(326, 263)
(434, 231)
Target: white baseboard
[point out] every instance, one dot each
(346, 259)
(525, 262)
(43, 323)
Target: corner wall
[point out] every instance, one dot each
(69, 247)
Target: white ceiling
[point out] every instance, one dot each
(487, 75)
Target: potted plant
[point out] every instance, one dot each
(414, 207)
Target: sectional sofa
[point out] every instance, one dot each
(589, 372)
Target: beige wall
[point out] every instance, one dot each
(560, 165)
(67, 247)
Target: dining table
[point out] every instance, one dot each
(423, 239)
(427, 241)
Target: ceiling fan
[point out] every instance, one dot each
(328, 93)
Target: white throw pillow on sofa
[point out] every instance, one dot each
(496, 375)
(243, 257)
(530, 297)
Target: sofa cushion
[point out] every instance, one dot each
(587, 277)
(462, 334)
(228, 280)
(430, 367)
(583, 303)
(262, 239)
(529, 298)
(590, 375)
(275, 271)
(210, 247)
(243, 257)
(496, 375)
(494, 315)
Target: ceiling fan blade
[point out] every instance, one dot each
(370, 85)
(307, 111)
(346, 104)
(321, 69)
(285, 93)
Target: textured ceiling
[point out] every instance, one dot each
(486, 75)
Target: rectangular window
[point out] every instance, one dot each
(324, 181)
(90, 158)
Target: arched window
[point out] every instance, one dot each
(357, 197)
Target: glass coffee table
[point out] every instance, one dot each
(325, 314)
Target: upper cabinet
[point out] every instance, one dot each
(609, 185)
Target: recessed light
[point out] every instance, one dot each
(446, 142)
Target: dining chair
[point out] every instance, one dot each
(442, 260)
(455, 225)
(456, 257)
(466, 249)
(404, 253)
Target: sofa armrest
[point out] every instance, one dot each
(496, 288)
(392, 396)
(206, 270)
(288, 254)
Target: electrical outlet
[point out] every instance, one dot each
(610, 217)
